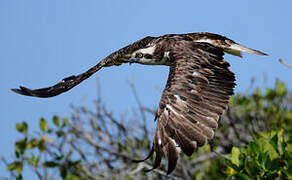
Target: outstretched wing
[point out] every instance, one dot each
(116, 58)
(196, 94)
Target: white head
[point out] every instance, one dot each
(146, 56)
(143, 55)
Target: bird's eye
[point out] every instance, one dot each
(139, 55)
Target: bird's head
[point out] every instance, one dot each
(146, 56)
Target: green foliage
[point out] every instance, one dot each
(267, 157)
(16, 165)
(22, 127)
(266, 119)
(272, 109)
(254, 143)
(56, 121)
(30, 150)
(44, 125)
(235, 156)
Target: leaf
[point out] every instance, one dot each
(32, 143)
(281, 88)
(252, 167)
(289, 149)
(43, 125)
(241, 176)
(265, 145)
(231, 165)
(56, 121)
(275, 165)
(51, 164)
(33, 161)
(59, 133)
(288, 116)
(22, 127)
(20, 146)
(65, 122)
(268, 163)
(17, 154)
(16, 165)
(42, 145)
(253, 148)
(270, 94)
(263, 156)
(11, 166)
(274, 142)
(235, 156)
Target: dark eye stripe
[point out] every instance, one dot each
(148, 56)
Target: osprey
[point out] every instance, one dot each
(196, 94)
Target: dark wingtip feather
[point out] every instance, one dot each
(172, 155)
(15, 90)
(148, 156)
(185, 144)
(259, 52)
(157, 160)
(22, 90)
(148, 170)
(264, 54)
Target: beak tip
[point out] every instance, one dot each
(133, 60)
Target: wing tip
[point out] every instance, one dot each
(170, 170)
(259, 52)
(22, 90)
(15, 90)
(148, 156)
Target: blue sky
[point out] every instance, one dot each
(42, 42)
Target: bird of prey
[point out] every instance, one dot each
(196, 94)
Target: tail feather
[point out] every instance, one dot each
(236, 49)
(226, 44)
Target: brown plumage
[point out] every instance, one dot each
(192, 103)
(196, 94)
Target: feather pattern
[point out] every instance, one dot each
(195, 96)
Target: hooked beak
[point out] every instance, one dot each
(129, 58)
(133, 60)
